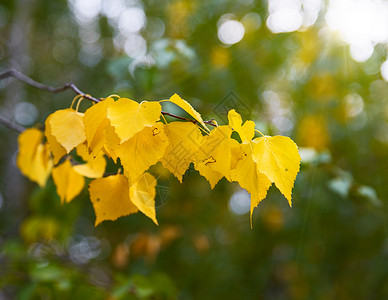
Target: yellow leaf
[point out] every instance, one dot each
(33, 158)
(28, 142)
(112, 141)
(98, 142)
(212, 176)
(129, 117)
(246, 131)
(56, 149)
(184, 139)
(68, 128)
(142, 194)
(94, 168)
(142, 151)
(234, 119)
(110, 153)
(277, 157)
(236, 154)
(95, 121)
(83, 151)
(214, 155)
(187, 108)
(247, 175)
(68, 182)
(110, 198)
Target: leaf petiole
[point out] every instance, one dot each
(260, 132)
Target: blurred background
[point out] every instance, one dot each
(309, 69)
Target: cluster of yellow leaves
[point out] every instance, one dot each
(134, 133)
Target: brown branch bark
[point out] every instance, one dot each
(11, 125)
(28, 80)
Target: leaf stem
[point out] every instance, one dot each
(260, 132)
(165, 121)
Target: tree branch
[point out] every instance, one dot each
(28, 80)
(210, 122)
(11, 125)
(20, 76)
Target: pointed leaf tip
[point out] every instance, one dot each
(142, 194)
(278, 158)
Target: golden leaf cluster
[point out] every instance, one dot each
(134, 135)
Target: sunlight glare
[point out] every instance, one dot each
(362, 24)
(292, 15)
(384, 70)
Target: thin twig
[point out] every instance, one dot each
(28, 80)
(210, 122)
(24, 78)
(11, 125)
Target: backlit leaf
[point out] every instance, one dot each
(33, 158)
(246, 131)
(213, 177)
(68, 128)
(142, 194)
(56, 148)
(112, 141)
(110, 198)
(68, 182)
(277, 157)
(142, 151)
(184, 139)
(214, 155)
(186, 106)
(83, 152)
(234, 119)
(95, 121)
(94, 168)
(247, 175)
(129, 117)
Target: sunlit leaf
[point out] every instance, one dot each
(56, 148)
(246, 131)
(234, 119)
(94, 168)
(33, 158)
(112, 141)
(142, 151)
(110, 198)
(68, 128)
(95, 121)
(247, 175)
(186, 106)
(142, 194)
(214, 155)
(184, 139)
(83, 152)
(129, 117)
(277, 157)
(69, 183)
